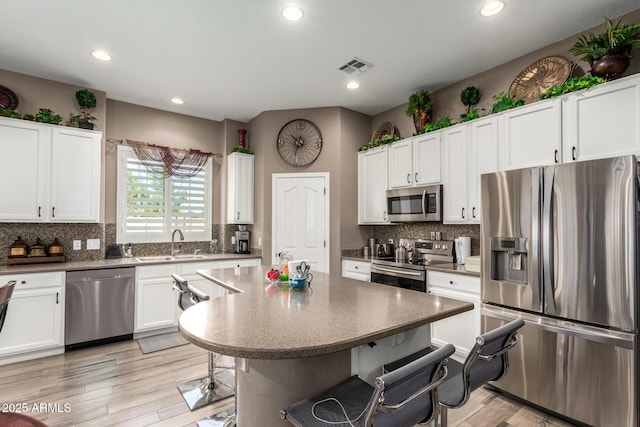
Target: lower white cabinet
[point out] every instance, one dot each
(157, 301)
(35, 315)
(358, 270)
(460, 330)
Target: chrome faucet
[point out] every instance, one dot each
(173, 235)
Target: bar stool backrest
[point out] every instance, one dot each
(408, 395)
(5, 296)
(187, 295)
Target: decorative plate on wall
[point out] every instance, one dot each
(538, 77)
(8, 99)
(385, 128)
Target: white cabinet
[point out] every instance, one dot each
(401, 164)
(373, 169)
(156, 300)
(240, 188)
(75, 175)
(603, 121)
(455, 173)
(532, 135)
(35, 315)
(483, 158)
(460, 330)
(415, 161)
(50, 173)
(358, 270)
(426, 159)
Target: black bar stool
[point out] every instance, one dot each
(402, 398)
(5, 296)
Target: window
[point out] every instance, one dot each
(150, 206)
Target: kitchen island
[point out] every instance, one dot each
(293, 344)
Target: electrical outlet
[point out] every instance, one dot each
(77, 245)
(259, 242)
(93, 244)
(233, 240)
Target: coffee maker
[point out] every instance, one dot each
(242, 237)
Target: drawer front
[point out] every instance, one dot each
(456, 282)
(359, 267)
(231, 263)
(164, 270)
(34, 280)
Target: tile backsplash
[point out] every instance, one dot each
(422, 231)
(106, 233)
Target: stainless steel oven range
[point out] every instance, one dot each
(411, 274)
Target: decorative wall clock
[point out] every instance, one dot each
(299, 142)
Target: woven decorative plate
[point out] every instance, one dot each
(538, 77)
(384, 129)
(8, 99)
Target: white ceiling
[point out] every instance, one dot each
(236, 58)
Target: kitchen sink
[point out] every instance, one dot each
(158, 258)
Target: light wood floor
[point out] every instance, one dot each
(117, 385)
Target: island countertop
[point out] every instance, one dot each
(262, 321)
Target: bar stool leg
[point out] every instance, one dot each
(226, 418)
(214, 387)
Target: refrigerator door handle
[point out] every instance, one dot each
(547, 239)
(536, 284)
(564, 327)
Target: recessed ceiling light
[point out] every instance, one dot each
(292, 13)
(177, 100)
(353, 85)
(101, 55)
(492, 8)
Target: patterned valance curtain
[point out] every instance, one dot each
(166, 161)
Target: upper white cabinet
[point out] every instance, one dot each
(603, 121)
(415, 161)
(483, 158)
(532, 135)
(373, 166)
(240, 188)
(455, 174)
(401, 164)
(50, 173)
(75, 176)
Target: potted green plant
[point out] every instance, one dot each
(470, 96)
(505, 102)
(608, 53)
(86, 99)
(11, 113)
(240, 149)
(45, 115)
(419, 108)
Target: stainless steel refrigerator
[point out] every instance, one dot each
(559, 247)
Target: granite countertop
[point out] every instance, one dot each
(263, 321)
(112, 263)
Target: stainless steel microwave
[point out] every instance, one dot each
(416, 204)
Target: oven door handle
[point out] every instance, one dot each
(397, 271)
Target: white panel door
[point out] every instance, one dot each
(301, 217)
(426, 159)
(454, 176)
(483, 149)
(373, 180)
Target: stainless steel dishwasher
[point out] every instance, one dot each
(99, 306)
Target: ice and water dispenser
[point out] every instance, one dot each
(509, 259)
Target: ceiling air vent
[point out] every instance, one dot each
(356, 66)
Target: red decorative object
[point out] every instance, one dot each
(242, 133)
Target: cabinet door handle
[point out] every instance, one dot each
(573, 152)
(384, 215)
(408, 178)
(555, 156)
(416, 176)
(238, 216)
(39, 211)
(473, 212)
(53, 212)
(462, 213)
(57, 297)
